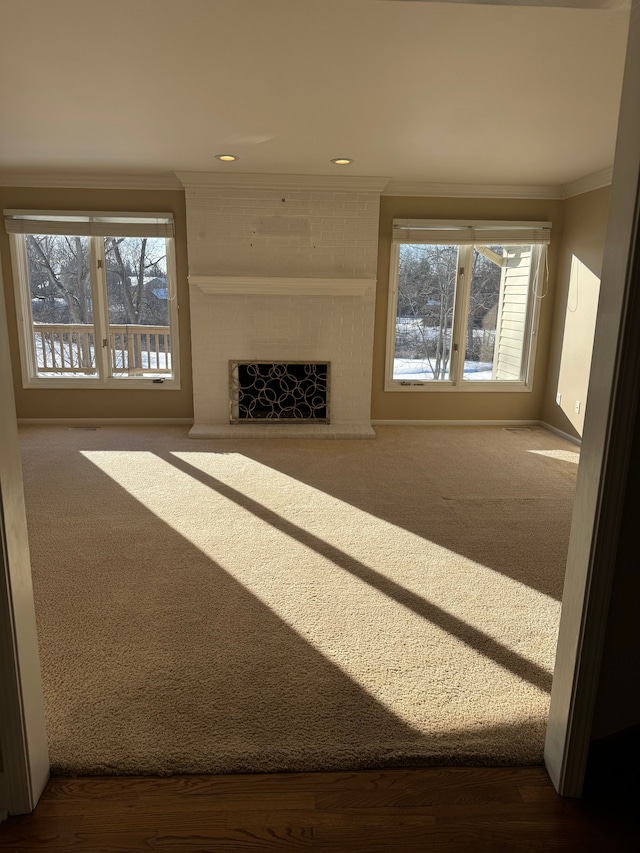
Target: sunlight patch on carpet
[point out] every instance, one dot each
(563, 455)
(266, 530)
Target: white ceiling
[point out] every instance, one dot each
(414, 91)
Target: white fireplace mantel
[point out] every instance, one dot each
(243, 285)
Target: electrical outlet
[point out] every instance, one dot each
(558, 399)
(578, 404)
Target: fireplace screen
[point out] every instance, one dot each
(295, 391)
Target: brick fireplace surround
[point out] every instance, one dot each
(282, 268)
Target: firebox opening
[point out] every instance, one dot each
(267, 391)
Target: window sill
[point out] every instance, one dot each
(466, 388)
(146, 384)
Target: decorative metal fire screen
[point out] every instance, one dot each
(295, 391)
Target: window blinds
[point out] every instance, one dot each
(89, 224)
(480, 233)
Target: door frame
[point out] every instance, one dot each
(23, 737)
(614, 389)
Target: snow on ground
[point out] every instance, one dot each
(418, 370)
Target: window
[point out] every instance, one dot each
(463, 304)
(96, 296)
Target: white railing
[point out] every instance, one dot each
(65, 348)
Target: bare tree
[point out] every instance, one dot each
(483, 303)
(59, 270)
(136, 271)
(426, 294)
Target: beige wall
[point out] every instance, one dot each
(467, 405)
(576, 304)
(101, 403)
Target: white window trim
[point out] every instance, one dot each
(456, 384)
(102, 379)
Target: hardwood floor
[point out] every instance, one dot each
(426, 809)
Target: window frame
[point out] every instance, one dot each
(26, 340)
(456, 383)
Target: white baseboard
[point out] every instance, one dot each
(455, 423)
(80, 422)
(561, 433)
(105, 421)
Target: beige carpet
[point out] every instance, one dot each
(215, 606)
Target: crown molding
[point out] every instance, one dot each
(582, 185)
(412, 188)
(90, 180)
(254, 285)
(344, 183)
(590, 182)
(615, 5)
(246, 180)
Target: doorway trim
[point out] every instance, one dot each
(23, 737)
(614, 388)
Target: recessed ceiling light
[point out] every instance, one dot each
(227, 158)
(342, 161)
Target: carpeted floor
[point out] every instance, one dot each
(216, 606)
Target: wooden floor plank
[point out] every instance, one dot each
(222, 801)
(110, 842)
(399, 798)
(27, 832)
(289, 837)
(407, 779)
(363, 838)
(155, 822)
(364, 817)
(86, 805)
(88, 795)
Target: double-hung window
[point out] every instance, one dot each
(96, 298)
(463, 304)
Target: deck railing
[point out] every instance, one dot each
(133, 350)
(139, 350)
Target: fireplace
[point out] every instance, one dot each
(287, 392)
(282, 270)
